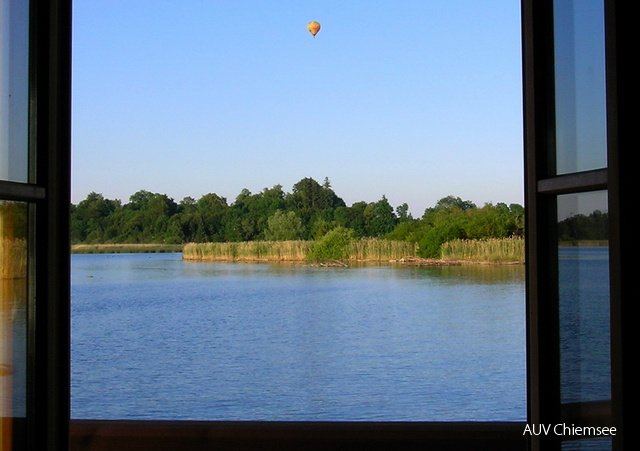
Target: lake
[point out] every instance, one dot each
(156, 337)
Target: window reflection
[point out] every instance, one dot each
(14, 90)
(13, 318)
(584, 297)
(580, 85)
(593, 444)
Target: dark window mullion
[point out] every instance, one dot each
(21, 191)
(574, 183)
(50, 161)
(542, 298)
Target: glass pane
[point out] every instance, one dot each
(584, 297)
(580, 85)
(13, 321)
(14, 90)
(591, 444)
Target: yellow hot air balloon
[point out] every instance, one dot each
(313, 28)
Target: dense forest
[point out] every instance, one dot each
(308, 212)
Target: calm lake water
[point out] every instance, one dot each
(156, 337)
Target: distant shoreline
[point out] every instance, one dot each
(154, 248)
(144, 248)
(150, 248)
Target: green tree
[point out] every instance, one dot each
(187, 205)
(352, 217)
(517, 211)
(310, 195)
(449, 203)
(284, 226)
(211, 210)
(250, 213)
(311, 200)
(91, 218)
(380, 218)
(402, 212)
(489, 222)
(148, 217)
(186, 225)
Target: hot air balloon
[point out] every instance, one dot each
(313, 28)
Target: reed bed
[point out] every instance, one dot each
(368, 249)
(373, 249)
(13, 256)
(248, 251)
(490, 250)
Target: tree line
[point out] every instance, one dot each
(308, 212)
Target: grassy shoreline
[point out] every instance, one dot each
(507, 251)
(491, 251)
(366, 250)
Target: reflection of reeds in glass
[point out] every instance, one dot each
(13, 258)
(13, 299)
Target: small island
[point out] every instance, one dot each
(309, 224)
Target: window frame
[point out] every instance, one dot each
(541, 189)
(48, 193)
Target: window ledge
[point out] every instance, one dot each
(91, 435)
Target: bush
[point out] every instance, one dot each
(335, 245)
(429, 245)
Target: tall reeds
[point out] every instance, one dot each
(490, 250)
(507, 250)
(248, 251)
(367, 249)
(374, 249)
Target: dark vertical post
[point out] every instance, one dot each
(620, 83)
(50, 324)
(543, 400)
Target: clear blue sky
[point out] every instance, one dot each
(415, 100)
